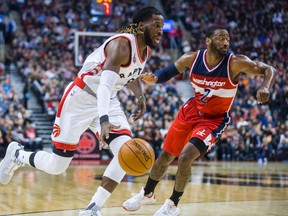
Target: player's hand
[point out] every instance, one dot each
(148, 77)
(141, 109)
(262, 95)
(105, 130)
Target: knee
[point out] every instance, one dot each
(114, 171)
(165, 158)
(117, 142)
(200, 145)
(185, 159)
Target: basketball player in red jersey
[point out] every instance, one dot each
(214, 74)
(90, 101)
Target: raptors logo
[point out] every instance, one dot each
(56, 130)
(87, 143)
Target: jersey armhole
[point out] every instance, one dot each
(121, 36)
(193, 62)
(228, 71)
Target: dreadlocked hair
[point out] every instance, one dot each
(131, 29)
(141, 15)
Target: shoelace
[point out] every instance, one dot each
(94, 213)
(13, 165)
(18, 162)
(167, 208)
(136, 195)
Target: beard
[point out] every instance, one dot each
(218, 51)
(148, 39)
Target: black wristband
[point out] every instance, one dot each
(104, 118)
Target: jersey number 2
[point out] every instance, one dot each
(207, 91)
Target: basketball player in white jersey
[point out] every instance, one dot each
(90, 101)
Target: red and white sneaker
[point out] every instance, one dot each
(168, 208)
(137, 200)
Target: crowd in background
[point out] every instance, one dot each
(44, 50)
(15, 122)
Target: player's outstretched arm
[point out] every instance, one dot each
(243, 64)
(174, 69)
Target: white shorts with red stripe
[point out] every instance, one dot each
(77, 112)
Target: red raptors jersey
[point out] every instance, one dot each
(214, 89)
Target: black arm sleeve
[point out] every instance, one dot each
(166, 73)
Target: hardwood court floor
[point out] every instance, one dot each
(216, 188)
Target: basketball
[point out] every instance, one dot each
(136, 157)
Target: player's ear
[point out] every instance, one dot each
(208, 40)
(141, 27)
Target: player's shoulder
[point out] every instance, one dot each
(121, 42)
(239, 57)
(239, 60)
(122, 38)
(185, 61)
(191, 55)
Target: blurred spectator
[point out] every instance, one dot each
(3, 145)
(7, 30)
(31, 140)
(282, 150)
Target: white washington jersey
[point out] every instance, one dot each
(91, 71)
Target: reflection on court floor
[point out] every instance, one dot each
(216, 188)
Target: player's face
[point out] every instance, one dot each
(220, 42)
(153, 31)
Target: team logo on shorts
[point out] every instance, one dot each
(56, 130)
(201, 133)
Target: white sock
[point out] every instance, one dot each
(100, 196)
(24, 156)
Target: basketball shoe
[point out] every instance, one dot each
(168, 208)
(10, 162)
(92, 210)
(137, 200)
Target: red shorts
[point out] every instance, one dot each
(189, 123)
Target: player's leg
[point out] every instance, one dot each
(189, 153)
(111, 177)
(71, 121)
(186, 121)
(157, 172)
(113, 174)
(146, 195)
(203, 138)
(178, 134)
(52, 163)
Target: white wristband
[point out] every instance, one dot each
(107, 82)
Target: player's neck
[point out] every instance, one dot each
(141, 43)
(141, 46)
(212, 59)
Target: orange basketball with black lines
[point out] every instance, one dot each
(136, 157)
